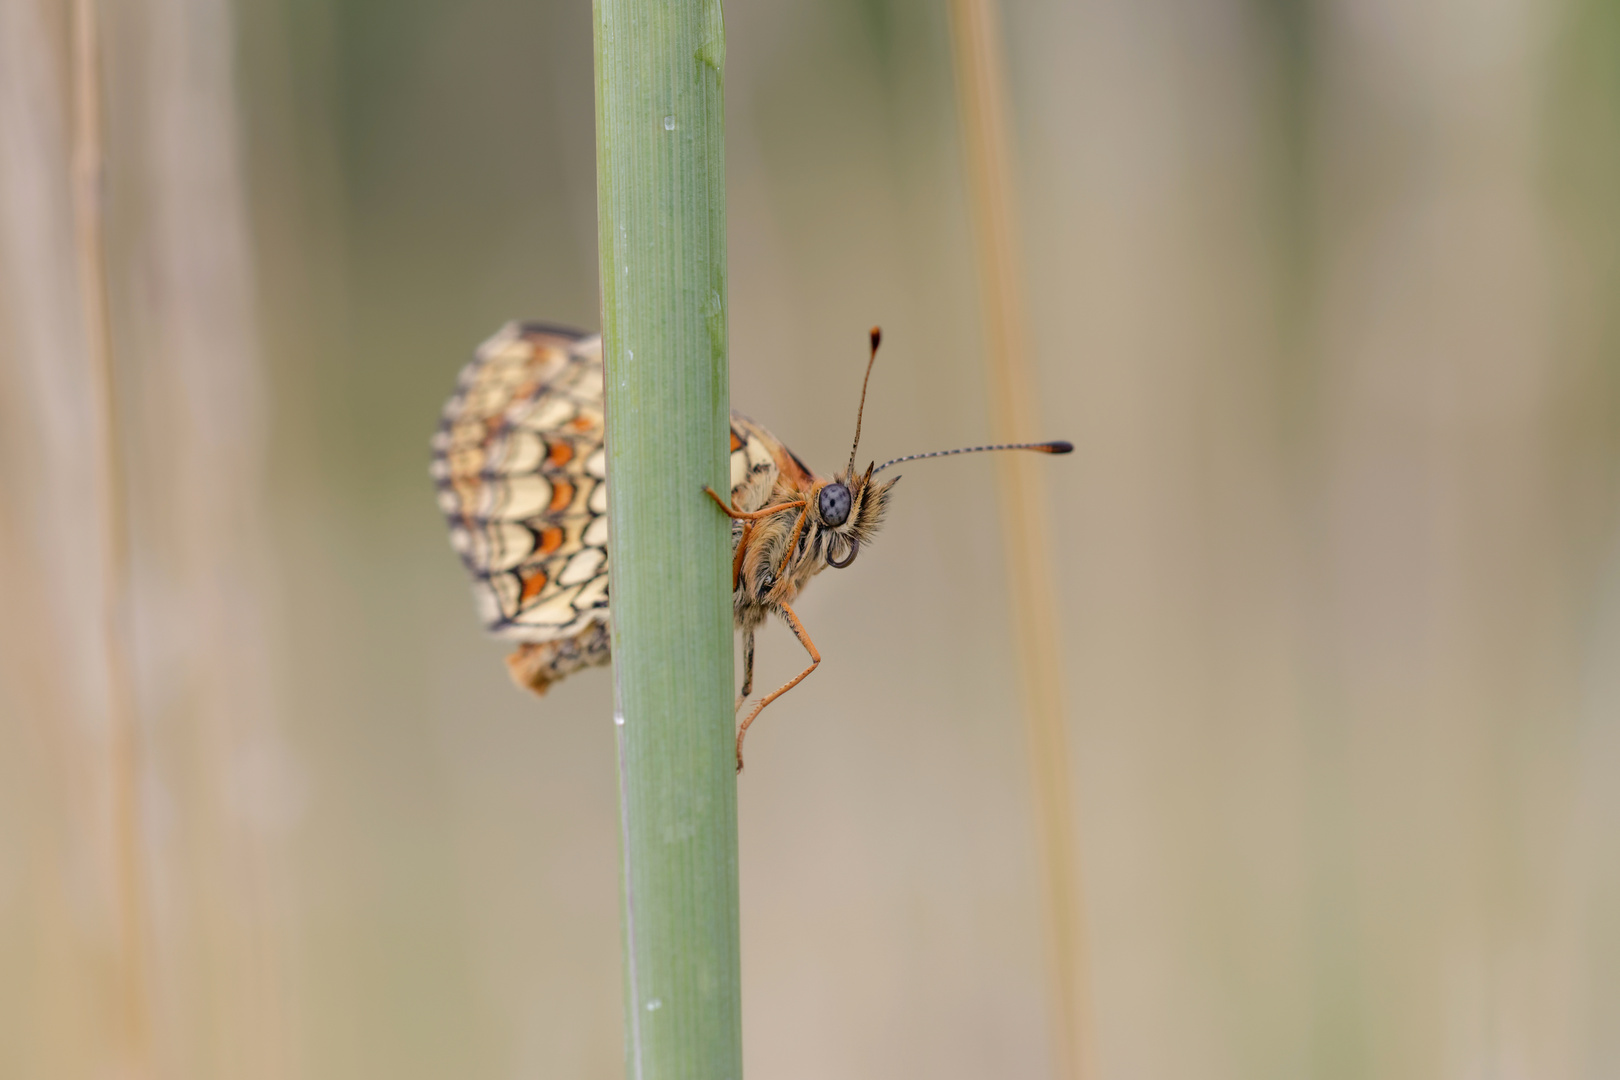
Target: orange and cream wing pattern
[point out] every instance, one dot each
(756, 457)
(520, 465)
(521, 472)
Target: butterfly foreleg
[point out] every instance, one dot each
(755, 515)
(748, 668)
(815, 662)
(793, 540)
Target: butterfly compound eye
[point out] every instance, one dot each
(834, 504)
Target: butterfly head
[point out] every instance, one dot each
(840, 515)
(850, 508)
(848, 513)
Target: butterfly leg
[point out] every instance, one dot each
(815, 662)
(798, 529)
(748, 668)
(754, 515)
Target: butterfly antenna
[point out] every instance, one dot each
(1058, 447)
(877, 339)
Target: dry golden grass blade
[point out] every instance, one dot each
(983, 115)
(220, 954)
(134, 1038)
(57, 1012)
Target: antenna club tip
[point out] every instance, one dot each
(1061, 446)
(876, 334)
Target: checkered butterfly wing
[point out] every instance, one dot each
(521, 469)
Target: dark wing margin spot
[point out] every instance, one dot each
(535, 326)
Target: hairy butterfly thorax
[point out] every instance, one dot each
(521, 472)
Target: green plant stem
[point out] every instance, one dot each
(661, 219)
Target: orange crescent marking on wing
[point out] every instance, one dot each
(533, 582)
(562, 493)
(551, 539)
(561, 454)
(736, 443)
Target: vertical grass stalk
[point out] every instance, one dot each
(662, 229)
(134, 1037)
(983, 113)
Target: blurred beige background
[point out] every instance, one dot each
(1326, 296)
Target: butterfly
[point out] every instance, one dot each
(521, 469)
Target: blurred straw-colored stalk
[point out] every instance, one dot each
(138, 745)
(983, 114)
(223, 954)
(133, 1042)
(60, 1015)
